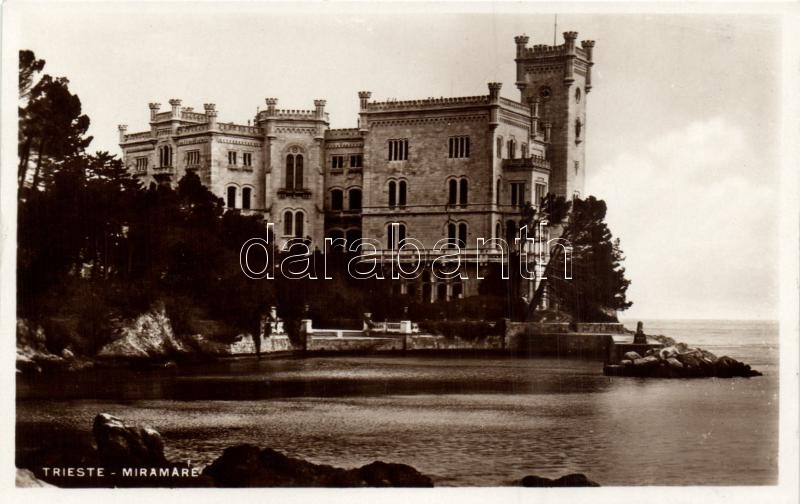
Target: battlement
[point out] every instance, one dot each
(342, 133)
(135, 137)
(568, 48)
(517, 106)
(426, 103)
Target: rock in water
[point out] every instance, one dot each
(650, 360)
(631, 356)
(674, 363)
(570, 480)
(148, 335)
(249, 466)
(120, 445)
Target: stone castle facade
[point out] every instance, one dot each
(441, 168)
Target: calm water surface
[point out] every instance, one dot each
(464, 421)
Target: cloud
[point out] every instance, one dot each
(697, 222)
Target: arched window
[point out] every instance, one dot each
(500, 147)
(498, 230)
(462, 235)
(395, 241)
(452, 197)
(392, 194)
(497, 191)
(289, 171)
(298, 171)
(298, 224)
(458, 290)
(294, 172)
(511, 231)
(246, 194)
(578, 129)
(512, 149)
(352, 236)
(451, 235)
(288, 222)
(165, 156)
(231, 197)
(401, 193)
(337, 199)
(463, 196)
(337, 235)
(354, 197)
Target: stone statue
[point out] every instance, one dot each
(639, 338)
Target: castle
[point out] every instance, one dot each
(440, 168)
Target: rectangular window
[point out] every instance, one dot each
(232, 157)
(541, 190)
(141, 164)
(356, 161)
(193, 158)
(247, 159)
(398, 150)
(458, 147)
(337, 162)
(517, 193)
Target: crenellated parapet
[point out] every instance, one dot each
(392, 105)
(342, 133)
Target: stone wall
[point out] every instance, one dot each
(600, 327)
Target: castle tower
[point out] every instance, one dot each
(560, 77)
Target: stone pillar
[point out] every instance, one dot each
(494, 101)
(211, 114)
(547, 128)
(175, 103)
(319, 114)
(363, 98)
(271, 103)
(176, 114)
(521, 41)
(588, 46)
(569, 48)
(122, 129)
(154, 108)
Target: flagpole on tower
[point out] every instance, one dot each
(555, 28)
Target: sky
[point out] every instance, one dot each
(682, 127)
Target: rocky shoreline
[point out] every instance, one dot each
(123, 455)
(678, 360)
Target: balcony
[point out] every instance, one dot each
(526, 164)
(163, 170)
(294, 193)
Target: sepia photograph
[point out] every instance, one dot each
(343, 245)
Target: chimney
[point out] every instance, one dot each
(122, 129)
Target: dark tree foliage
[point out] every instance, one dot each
(553, 210)
(52, 127)
(598, 285)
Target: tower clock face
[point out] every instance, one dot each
(545, 93)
